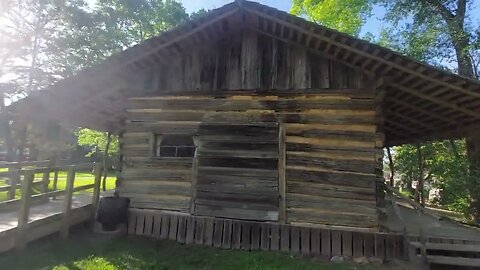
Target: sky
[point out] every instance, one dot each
(373, 24)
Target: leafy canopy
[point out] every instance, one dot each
(344, 15)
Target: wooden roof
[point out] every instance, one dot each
(421, 102)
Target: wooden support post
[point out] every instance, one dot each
(391, 166)
(105, 159)
(67, 204)
(193, 194)
(24, 209)
(46, 177)
(421, 179)
(14, 180)
(282, 214)
(55, 182)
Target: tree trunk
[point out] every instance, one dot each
(459, 38)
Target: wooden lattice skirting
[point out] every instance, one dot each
(251, 235)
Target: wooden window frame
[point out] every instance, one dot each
(156, 139)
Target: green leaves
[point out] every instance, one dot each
(344, 15)
(97, 141)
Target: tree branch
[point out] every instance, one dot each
(446, 14)
(461, 9)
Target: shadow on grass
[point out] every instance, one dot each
(85, 251)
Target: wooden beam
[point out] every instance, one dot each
(436, 100)
(419, 109)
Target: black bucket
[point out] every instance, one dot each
(112, 211)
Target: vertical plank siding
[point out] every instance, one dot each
(250, 60)
(251, 235)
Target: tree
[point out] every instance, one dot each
(29, 27)
(43, 41)
(344, 15)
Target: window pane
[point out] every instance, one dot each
(177, 140)
(185, 151)
(167, 151)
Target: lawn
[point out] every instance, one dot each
(81, 179)
(90, 252)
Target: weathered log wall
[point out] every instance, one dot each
(328, 160)
(280, 153)
(248, 60)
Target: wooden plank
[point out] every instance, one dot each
(315, 236)
(246, 235)
(199, 231)
(132, 220)
(326, 243)
(181, 232)
(139, 228)
(380, 246)
(461, 247)
(282, 214)
(357, 239)
(165, 226)
(321, 216)
(274, 237)
(173, 229)
(236, 235)
(148, 224)
(457, 261)
(208, 234)
(285, 238)
(400, 249)
(305, 244)
(347, 247)
(336, 243)
(157, 224)
(67, 203)
(217, 232)
(227, 234)
(390, 247)
(295, 239)
(369, 245)
(24, 210)
(236, 212)
(190, 237)
(255, 236)
(265, 237)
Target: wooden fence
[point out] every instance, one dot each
(250, 235)
(24, 180)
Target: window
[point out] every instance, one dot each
(174, 146)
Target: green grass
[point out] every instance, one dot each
(81, 179)
(92, 252)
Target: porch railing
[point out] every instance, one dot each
(34, 192)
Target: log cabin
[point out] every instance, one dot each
(249, 117)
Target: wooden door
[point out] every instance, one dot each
(237, 173)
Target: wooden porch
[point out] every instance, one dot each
(33, 216)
